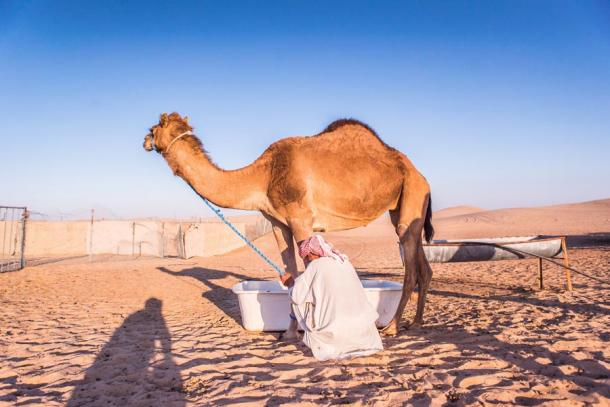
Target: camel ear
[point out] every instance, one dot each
(186, 119)
(163, 119)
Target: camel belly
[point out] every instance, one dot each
(332, 224)
(328, 218)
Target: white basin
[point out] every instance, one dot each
(264, 305)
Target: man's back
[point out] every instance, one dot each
(331, 307)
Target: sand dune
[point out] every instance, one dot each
(456, 211)
(572, 219)
(581, 221)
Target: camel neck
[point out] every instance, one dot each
(238, 189)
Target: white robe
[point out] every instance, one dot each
(331, 307)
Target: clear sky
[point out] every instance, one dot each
(499, 104)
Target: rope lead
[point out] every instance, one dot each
(251, 245)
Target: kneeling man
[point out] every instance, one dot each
(330, 305)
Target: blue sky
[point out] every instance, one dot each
(499, 104)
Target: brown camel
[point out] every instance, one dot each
(342, 178)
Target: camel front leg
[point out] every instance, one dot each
(300, 229)
(285, 244)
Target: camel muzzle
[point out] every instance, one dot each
(148, 145)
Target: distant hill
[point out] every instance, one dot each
(456, 211)
(470, 222)
(565, 219)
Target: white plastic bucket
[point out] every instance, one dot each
(264, 305)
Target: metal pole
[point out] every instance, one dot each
(183, 244)
(24, 219)
(566, 263)
(540, 272)
(133, 239)
(91, 236)
(4, 231)
(10, 234)
(181, 250)
(162, 240)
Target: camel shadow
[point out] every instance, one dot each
(588, 309)
(223, 298)
(135, 366)
(482, 344)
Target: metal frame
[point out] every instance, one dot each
(564, 252)
(459, 243)
(566, 263)
(11, 264)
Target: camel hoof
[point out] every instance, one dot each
(289, 335)
(391, 329)
(416, 325)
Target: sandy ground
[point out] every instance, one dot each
(143, 332)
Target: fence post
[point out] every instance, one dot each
(91, 236)
(12, 244)
(24, 218)
(566, 263)
(133, 239)
(4, 223)
(181, 248)
(162, 240)
(540, 265)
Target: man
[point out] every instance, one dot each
(330, 305)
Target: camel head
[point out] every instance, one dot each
(162, 134)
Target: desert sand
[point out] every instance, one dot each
(147, 331)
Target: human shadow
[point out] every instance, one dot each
(222, 297)
(135, 366)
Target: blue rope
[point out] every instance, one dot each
(244, 238)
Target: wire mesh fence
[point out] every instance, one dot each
(50, 239)
(12, 232)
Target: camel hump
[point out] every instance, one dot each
(337, 124)
(347, 122)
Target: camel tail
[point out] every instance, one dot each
(428, 228)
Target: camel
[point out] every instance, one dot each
(342, 178)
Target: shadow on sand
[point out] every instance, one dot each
(220, 296)
(135, 366)
(515, 362)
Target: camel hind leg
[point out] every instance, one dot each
(409, 219)
(424, 277)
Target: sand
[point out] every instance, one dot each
(144, 332)
(456, 211)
